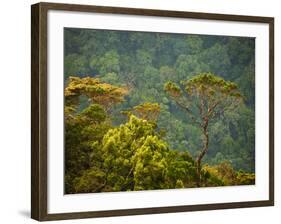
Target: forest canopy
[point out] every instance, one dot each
(150, 111)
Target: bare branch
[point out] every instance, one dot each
(187, 110)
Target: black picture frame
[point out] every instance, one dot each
(39, 108)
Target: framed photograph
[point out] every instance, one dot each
(141, 111)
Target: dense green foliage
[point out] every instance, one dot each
(125, 125)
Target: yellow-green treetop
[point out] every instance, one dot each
(97, 92)
(210, 94)
(147, 111)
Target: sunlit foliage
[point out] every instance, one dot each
(96, 91)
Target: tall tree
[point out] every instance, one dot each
(204, 98)
(85, 128)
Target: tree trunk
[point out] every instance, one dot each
(203, 152)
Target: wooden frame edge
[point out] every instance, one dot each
(39, 110)
(271, 110)
(153, 12)
(151, 211)
(35, 192)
